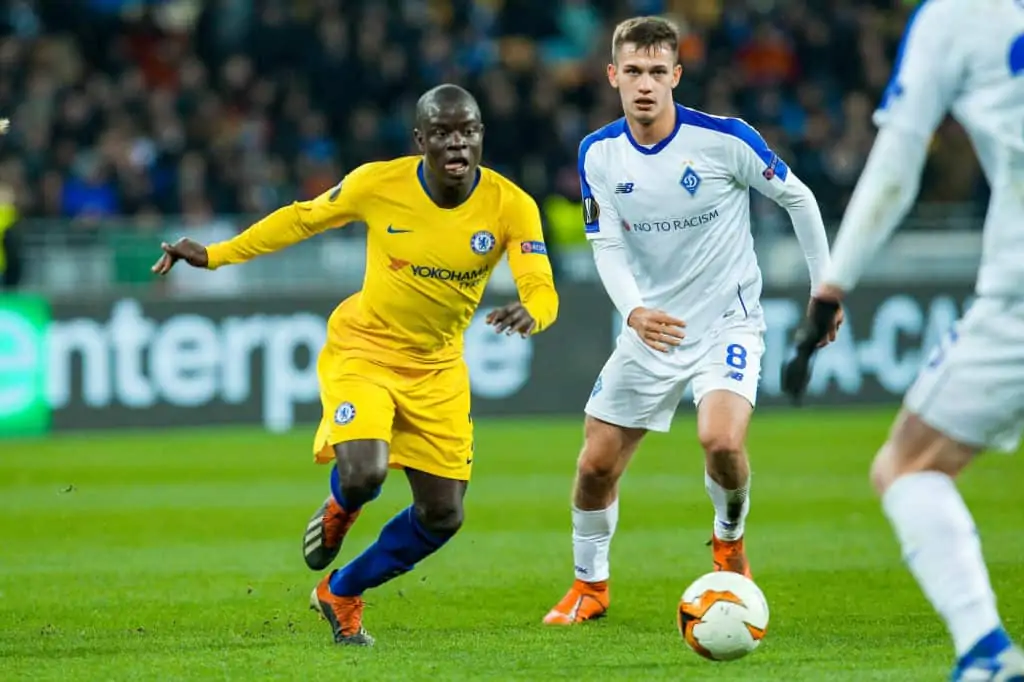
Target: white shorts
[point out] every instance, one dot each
(972, 387)
(641, 388)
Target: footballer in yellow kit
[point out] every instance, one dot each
(393, 381)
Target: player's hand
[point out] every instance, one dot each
(823, 316)
(187, 250)
(513, 318)
(827, 294)
(657, 329)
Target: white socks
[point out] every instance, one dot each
(591, 539)
(592, 531)
(731, 508)
(942, 549)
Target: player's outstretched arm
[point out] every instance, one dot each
(537, 307)
(287, 225)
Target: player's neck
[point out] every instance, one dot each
(446, 196)
(657, 130)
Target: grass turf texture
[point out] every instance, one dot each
(177, 556)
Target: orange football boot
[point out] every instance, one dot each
(345, 614)
(324, 533)
(729, 555)
(583, 601)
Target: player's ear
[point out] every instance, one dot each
(418, 136)
(677, 73)
(612, 71)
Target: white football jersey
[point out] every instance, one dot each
(966, 57)
(682, 209)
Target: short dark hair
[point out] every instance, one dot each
(646, 33)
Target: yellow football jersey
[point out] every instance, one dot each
(426, 266)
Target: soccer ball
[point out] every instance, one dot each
(723, 616)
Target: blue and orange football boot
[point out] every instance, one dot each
(345, 614)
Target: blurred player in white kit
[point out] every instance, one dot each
(666, 210)
(965, 57)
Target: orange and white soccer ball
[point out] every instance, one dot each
(723, 616)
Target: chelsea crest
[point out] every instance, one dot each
(482, 242)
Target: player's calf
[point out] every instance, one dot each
(606, 452)
(354, 484)
(607, 449)
(940, 542)
(722, 423)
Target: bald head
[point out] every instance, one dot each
(450, 135)
(444, 98)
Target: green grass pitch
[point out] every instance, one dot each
(177, 556)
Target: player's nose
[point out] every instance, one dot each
(457, 141)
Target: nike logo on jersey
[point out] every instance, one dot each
(394, 230)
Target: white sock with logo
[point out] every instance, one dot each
(942, 549)
(731, 508)
(592, 533)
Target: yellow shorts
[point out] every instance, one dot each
(424, 415)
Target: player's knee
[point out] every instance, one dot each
(884, 472)
(597, 466)
(440, 518)
(606, 449)
(362, 468)
(914, 447)
(722, 446)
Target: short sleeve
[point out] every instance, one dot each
(927, 72)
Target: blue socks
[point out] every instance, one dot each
(340, 498)
(403, 542)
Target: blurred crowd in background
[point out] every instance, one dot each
(150, 108)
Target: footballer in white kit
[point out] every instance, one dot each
(667, 212)
(964, 57)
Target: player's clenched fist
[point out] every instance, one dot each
(657, 329)
(187, 250)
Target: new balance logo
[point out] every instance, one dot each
(624, 188)
(393, 230)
